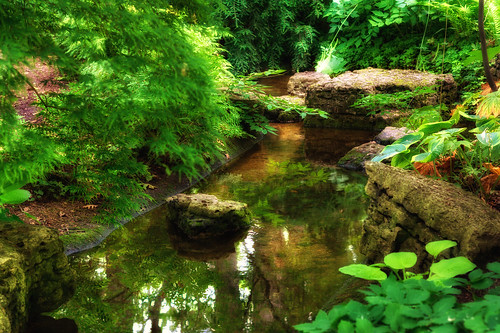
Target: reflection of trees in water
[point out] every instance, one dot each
(137, 279)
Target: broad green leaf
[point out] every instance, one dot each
(494, 267)
(402, 160)
(14, 197)
(363, 325)
(489, 139)
(400, 260)
(364, 272)
(424, 157)
(389, 152)
(410, 139)
(430, 128)
(449, 268)
(345, 327)
(435, 248)
(476, 55)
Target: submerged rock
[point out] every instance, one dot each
(299, 82)
(391, 134)
(205, 216)
(336, 96)
(355, 159)
(35, 275)
(408, 211)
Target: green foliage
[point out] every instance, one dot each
(272, 33)
(11, 195)
(413, 304)
(401, 100)
(426, 35)
(142, 87)
(437, 140)
(400, 261)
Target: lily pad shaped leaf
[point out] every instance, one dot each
(449, 268)
(435, 248)
(364, 272)
(14, 197)
(400, 260)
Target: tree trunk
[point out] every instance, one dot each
(482, 38)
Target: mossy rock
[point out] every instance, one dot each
(205, 216)
(35, 275)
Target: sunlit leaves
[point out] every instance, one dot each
(449, 268)
(363, 272)
(435, 248)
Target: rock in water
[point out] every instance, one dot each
(205, 216)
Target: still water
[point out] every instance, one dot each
(144, 278)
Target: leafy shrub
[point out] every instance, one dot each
(426, 35)
(436, 141)
(143, 85)
(270, 34)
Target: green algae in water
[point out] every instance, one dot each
(145, 278)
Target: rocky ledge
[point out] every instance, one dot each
(336, 96)
(408, 211)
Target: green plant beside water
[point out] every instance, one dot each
(406, 302)
(436, 140)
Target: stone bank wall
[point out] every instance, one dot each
(408, 210)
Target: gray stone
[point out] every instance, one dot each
(408, 211)
(391, 134)
(205, 216)
(35, 276)
(336, 96)
(355, 159)
(299, 82)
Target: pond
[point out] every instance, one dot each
(144, 278)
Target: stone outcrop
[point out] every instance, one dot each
(205, 216)
(35, 276)
(299, 82)
(356, 158)
(336, 96)
(408, 211)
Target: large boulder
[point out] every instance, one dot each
(337, 95)
(205, 216)
(299, 82)
(35, 275)
(408, 211)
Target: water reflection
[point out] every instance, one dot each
(145, 278)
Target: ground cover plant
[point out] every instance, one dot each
(409, 302)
